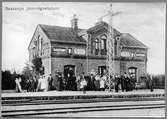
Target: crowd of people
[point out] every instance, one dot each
(92, 82)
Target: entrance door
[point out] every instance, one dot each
(133, 72)
(67, 68)
(101, 69)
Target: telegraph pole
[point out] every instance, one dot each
(87, 52)
(110, 45)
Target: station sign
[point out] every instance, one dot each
(140, 55)
(79, 51)
(62, 50)
(125, 54)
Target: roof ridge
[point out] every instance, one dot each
(135, 39)
(59, 26)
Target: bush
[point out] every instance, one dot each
(159, 81)
(8, 80)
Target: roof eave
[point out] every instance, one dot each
(134, 47)
(33, 35)
(69, 42)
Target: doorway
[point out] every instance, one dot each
(68, 68)
(101, 69)
(133, 72)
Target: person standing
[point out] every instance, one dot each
(60, 81)
(117, 81)
(122, 83)
(54, 82)
(132, 82)
(50, 79)
(41, 85)
(33, 84)
(102, 84)
(83, 85)
(127, 82)
(92, 80)
(18, 86)
(151, 83)
(78, 81)
(97, 82)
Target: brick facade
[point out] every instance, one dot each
(60, 49)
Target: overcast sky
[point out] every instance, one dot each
(145, 21)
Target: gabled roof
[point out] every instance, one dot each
(63, 34)
(102, 25)
(68, 35)
(127, 40)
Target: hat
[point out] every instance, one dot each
(93, 72)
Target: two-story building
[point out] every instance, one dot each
(84, 50)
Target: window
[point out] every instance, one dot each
(97, 44)
(103, 45)
(38, 42)
(35, 43)
(103, 42)
(102, 70)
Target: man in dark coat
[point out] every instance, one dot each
(34, 84)
(92, 82)
(132, 82)
(117, 82)
(50, 79)
(60, 82)
(127, 82)
(151, 83)
(122, 83)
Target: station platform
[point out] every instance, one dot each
(49, 95)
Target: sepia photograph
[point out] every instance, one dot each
(83, 59)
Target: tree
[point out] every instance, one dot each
(37, 66)
(27, 71)
(27, 74)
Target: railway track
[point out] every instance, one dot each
(36, 106)
(75, 108)
(69, 101)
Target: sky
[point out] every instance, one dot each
(145, 21)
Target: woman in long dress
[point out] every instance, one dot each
(83, 84)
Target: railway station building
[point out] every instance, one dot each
(83, 50)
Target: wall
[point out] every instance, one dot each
(80, 64)
(46, 62)
(45, 48)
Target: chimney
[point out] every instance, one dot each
(74, 23)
